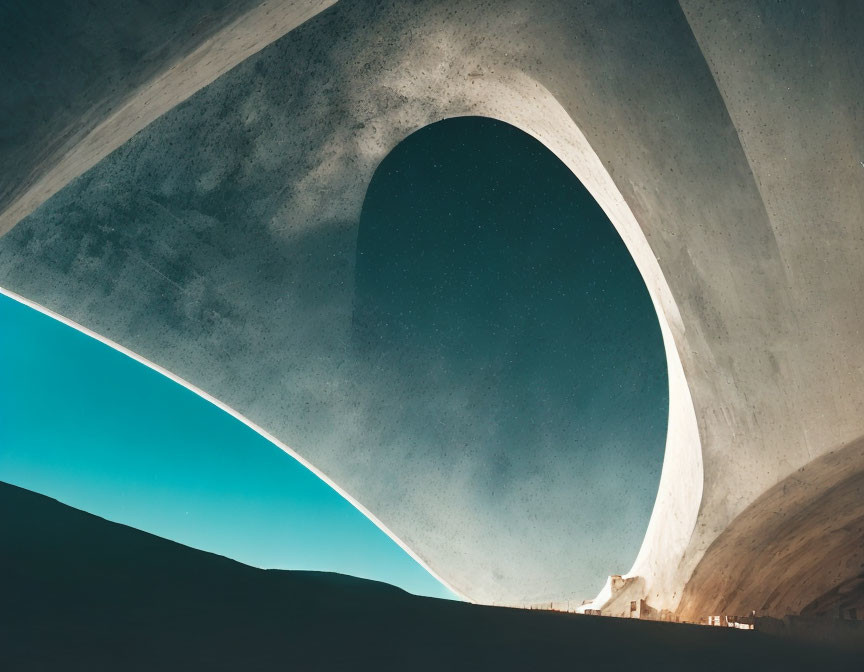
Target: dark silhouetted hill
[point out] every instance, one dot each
(80, 593)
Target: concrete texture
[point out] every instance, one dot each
(799, 548)
(79, 81)
(722, 140)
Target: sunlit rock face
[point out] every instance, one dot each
(721, 139)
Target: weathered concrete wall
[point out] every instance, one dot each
(80, 80)
(721, 147)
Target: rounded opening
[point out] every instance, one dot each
(498, 304)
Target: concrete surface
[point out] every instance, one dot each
(722, 139)
(796, 550)
(80, 80)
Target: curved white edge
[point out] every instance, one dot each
(534, 109)
(239, 416)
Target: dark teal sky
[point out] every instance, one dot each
(483, 262)
(95, 429)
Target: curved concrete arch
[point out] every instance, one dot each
(723, 151)
(512, 96)
(515, 98)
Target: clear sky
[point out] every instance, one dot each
(95, 429)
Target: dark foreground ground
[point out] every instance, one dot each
(80, 593)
